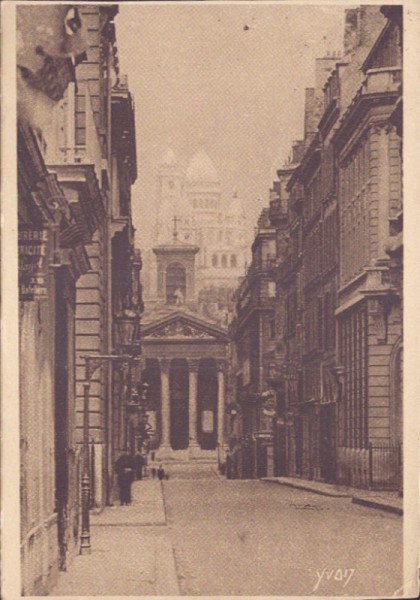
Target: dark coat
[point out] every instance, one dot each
(125, 468)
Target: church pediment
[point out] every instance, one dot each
(183, 328)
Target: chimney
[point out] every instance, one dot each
(351, 30)
(323, 68)
(313, 111)
(371, 20)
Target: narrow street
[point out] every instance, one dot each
(199, 534)
(247, 537)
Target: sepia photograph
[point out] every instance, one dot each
(205, 333)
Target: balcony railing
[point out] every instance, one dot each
(262, 264)
(385, 79)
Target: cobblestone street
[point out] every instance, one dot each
(253, 538)
(212, 536)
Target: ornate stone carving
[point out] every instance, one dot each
(379, 312)
(181, 330)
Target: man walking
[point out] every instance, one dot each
(125, 469)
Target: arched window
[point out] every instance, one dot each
(214, 260)
(233, 261)
(176, 283)
(224, 260)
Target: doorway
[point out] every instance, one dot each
(178, 385)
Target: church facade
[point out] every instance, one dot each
(184, 360)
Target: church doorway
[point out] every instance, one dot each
(178, 385)
(207, 404)
(176, 283)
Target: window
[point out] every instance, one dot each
(214, 260)
(224, 260)
(176, 283)
(233, 260)
(353, 357)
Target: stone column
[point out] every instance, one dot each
(165, 445)
(221, 367)
(193, 445)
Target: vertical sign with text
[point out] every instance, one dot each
(33, 262)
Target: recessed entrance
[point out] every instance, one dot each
(178, 386)
(207, 404)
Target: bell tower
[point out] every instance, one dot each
(175, 262)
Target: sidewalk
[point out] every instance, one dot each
(389, 501)
(131, 553)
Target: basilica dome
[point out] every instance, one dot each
(201, 169)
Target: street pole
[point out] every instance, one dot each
(85, 535)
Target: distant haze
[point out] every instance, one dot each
(226, 77)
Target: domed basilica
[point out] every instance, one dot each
(190, 206)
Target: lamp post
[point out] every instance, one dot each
(126, 337)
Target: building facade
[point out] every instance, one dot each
(336, 366)
(369, 304)
(78, 272)
(340, 429)
(252, 333)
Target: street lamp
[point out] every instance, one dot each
(126, 337)
(138, 415)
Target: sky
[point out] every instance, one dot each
(227, 77)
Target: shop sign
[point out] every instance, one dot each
(33, 246)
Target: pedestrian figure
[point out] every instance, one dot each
(125, 469)
(161, 473)
(153, 472)
(139, 465)
(153, 455)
